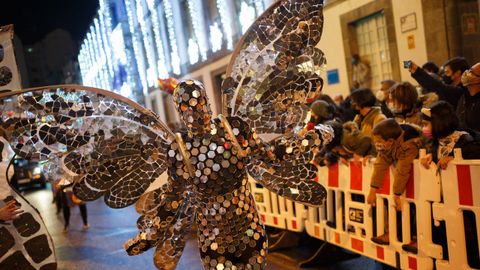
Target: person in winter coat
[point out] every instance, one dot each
(404, 103)
(368, 115)
(464, 97)
(396, 145)
(441, 125)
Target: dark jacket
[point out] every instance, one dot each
(467, 106)
(385, 110)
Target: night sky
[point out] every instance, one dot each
(33, 19)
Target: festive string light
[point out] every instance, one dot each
(139, 57)
(216, 37)
(246, 16)
(195, 9)
(175, 57)
(259, 6)
(226, 19)
(145, 27)
(193, 53)
(103, 51)
(161, 63)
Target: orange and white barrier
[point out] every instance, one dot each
(461, 192)
(347, 221)
(276, 211)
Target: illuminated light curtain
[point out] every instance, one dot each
(175, 57)
(188, 31)
(259, 7)
(145, 27)
(193, 51)
(216, 37)
(226, 18)
(139, 56)
(90, 77)
(246, 16)
(81, 61)
(195, 9)
(164, 36)
(101, 57)
(106, 29)
(161, 63)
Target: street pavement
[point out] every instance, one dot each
(101, 246)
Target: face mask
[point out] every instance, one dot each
(427, 133)
(380, 95)
(382, 149)
(447, 79)
(468, 78)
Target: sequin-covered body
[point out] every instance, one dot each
(230, 232)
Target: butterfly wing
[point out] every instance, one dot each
(112, 145)
(275, 67)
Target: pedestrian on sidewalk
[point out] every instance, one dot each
(68, 199)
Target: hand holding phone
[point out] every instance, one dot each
(407, 64)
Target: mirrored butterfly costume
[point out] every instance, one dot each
(115, 148)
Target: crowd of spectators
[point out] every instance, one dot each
(439, 113)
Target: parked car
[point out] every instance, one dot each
(27, 174)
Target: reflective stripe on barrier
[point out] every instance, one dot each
(461, 192)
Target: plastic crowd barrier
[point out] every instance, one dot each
(347, 221)
(461, 192)
(276, 211)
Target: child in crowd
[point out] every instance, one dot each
(396, 145)
(440, 123)
(404, 103)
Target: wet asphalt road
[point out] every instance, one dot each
(101, 246)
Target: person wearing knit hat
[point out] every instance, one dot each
(320, 112)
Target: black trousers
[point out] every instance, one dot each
(66, 210)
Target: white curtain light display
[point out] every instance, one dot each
(132, 43)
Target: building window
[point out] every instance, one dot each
(373, 46)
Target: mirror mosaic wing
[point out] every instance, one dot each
(113, 147)
(275, 67)
(292, 174)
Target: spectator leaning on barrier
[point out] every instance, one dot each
(396, 145)
(320, 112)
(338, 114)
(465, 97)
(368, 115)
(440, 123)
(356, 143)
(404, 103)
